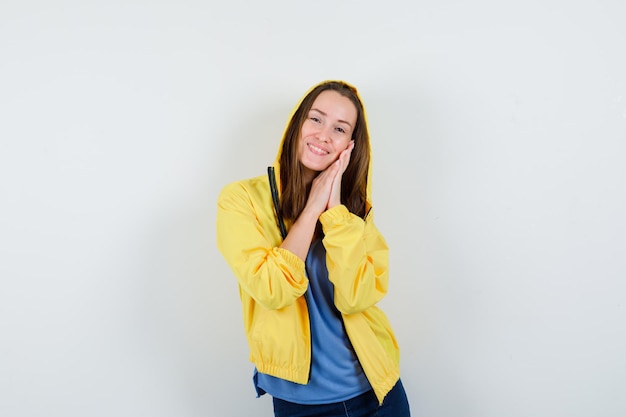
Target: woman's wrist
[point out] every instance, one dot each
(311, 214)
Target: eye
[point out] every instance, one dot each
(340, 130)
(315, 119)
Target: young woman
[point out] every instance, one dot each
(311, 267)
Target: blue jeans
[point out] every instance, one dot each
(395, 404)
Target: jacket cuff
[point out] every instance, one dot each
(292, 260)
(336, 215)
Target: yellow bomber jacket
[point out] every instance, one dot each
(272, 282)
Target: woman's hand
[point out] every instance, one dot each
(301, 233)
(326, 187)
(320, 192)
(342, 162)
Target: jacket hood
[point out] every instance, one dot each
(366, 127)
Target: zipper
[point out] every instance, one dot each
(274, 189)
(283, 232)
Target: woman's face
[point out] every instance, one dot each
(326, 132)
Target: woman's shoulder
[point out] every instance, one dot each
(251, 188)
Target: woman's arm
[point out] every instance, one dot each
(356, 258)
(274, 276)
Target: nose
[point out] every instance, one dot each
(324, 134)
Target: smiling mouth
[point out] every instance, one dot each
(316, 150)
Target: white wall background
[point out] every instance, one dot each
(499, 131)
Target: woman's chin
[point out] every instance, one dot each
(316, 166)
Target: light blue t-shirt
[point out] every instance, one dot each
(336, 374)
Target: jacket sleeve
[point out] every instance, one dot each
(272, 276)
(356, 258)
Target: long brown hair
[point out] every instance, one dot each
(354, 181)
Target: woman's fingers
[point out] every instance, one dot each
(321, 189)
(326, 187)
(344, 157)
(343, 161)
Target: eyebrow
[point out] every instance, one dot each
(324, 114)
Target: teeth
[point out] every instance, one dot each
(317, 150)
